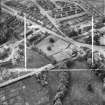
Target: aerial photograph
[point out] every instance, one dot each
(52, 52)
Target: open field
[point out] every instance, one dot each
(79, 65)
(78, 94)
(34, 93)
(56, 47)
(35, 60)
(24, 92)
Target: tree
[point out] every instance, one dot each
(58, 102)
(54, 62)
(49, 48)
(72, 33)
(88, 40)
(103, 102)
(96, 39)
(5, 33)
(51, 40)
(79, 31)
(103, 20)
(68, 64)
(90, 88)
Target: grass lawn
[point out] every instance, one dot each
(56, 47)
(34, 93)
(79, 65)
(35, 60)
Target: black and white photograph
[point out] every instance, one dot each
(52, 52)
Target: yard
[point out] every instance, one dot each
(50, 48)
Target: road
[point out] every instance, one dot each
(68, 40)
(49, 18)
(83, 3)
(32, 72)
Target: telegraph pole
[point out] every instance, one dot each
(92, 40)
(104, 8)
(0, 7)
(25, 46)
